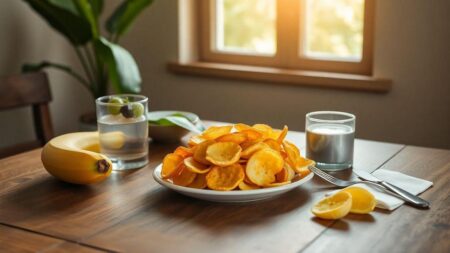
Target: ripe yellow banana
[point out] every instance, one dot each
(75, 158)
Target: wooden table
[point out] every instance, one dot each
(130, 212)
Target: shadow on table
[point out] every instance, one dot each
(218, 216)
(45, 195)
(344, 223)
(368, 218)
(332, 224)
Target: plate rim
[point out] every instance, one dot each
(157, 177)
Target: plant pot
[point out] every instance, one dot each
(88, 122)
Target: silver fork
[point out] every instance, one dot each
(339, 182)
(344, 183)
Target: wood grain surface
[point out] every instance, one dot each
(406, 229)
(17, 240)
(130, 212)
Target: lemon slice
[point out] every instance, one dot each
(362, 200)
(112, 140)
(333, 207)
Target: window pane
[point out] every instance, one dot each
(246, 26)
(333, 29)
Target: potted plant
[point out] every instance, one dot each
(102, 59)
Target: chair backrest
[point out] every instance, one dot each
(28, 90)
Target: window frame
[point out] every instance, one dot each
(290, 57)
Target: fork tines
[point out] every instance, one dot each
(325, 176)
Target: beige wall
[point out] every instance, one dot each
(412, 48)
(26, 38)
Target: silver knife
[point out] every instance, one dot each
(408, 197)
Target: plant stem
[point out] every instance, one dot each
(115, 38)
(72, 73)
(110, 36)
(85, 68)
(102, 82)
(91, 64)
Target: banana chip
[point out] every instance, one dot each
(283, 175)
(223, 153)
(291, 172)
(286, 174)
(247, 181)
(215, 132)
(282, 135)
(237, 138)
(264, 129)
(284, 155)
(263, 166)
(183, 152)
(241, 157)
(195, 140)
(200, 152)
(247, 144)
(252, 134)
(245, 186)
(273, 144)
(241, 127)
(293, 154)
(199, 182)
(225, 178)
(275, 134)
(185, 178)
(195, 166)
(302, 166)
(246, 153)
(171, 164)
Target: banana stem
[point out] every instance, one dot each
(102, 166)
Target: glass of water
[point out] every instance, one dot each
(123, 130)
(330, 139)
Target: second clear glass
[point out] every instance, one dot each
(123, 130)
(330, 139)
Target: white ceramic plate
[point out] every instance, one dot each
(229, 196)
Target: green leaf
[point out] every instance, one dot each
(85, 9)
(61, 15)
(122, 69)
(125, 14)
(34, 67)
(184, 123)
(97, 7)
(176, 119)
(65, 4)
(161, 122)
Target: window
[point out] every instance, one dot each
(318, 43)
(318, 35)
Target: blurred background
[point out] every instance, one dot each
(412, 47)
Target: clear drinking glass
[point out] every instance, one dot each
(123, 130)
(330, 139)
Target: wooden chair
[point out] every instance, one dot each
(28, 90)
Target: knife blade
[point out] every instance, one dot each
(405, 195)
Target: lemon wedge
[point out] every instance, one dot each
(333, 207)
(112, 140)
(362, 200)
